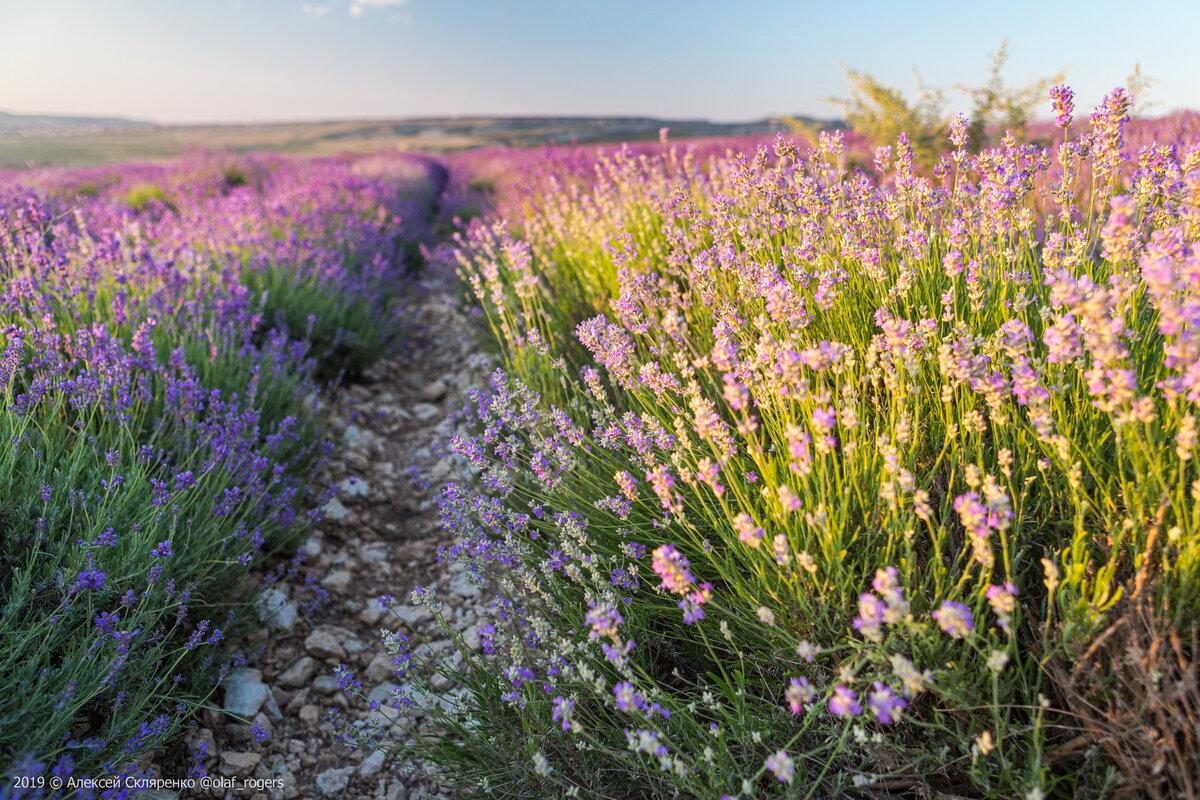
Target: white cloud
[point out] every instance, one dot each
(358, 6)
(355, 8)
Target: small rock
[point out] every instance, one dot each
(425, 412)
(332, 781)
(382, 693)
(313, 546)
(203, 740)
(464, 585)
(326, 684)
(309, 714)
(433, 391)
(355, 646)
(297, 702)
(412, 615)
(337, 581)
(372, 764)
(396, 791)
(234, 763)
(371, 612)
(353, 438)
(298, 674)
(324, 644)
(380, 668)
(276, 610)
(471, 638)
(376, 551)
(245, 692)
(271, 708)
(334, 510)
(354, 487)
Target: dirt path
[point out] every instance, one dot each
(379, 537)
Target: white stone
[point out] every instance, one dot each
(354, 487)
(245, 692)
(335, 511)
(372, 764)
(276, 610)
(299, 673)
(337, 581)
(333, 781)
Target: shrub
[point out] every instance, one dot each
(158, 433)
(795, 481)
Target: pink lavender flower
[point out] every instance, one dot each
(1062, 98)
(692, 604)
(885, 704)
(887, 583)
(564, 710)
(1003, 600)
(604, 620)
(748, 531)
(781, 766)
(672, 566)
(800, 695)
(869, 621)
(626, 698)
(958, 129)
(844, 702)
(955, 619)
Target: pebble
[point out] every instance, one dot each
(371, 612)
(326, 684)
(412, 615)
(335, 511)
(234, 762)
(309, 714)
(425, 411)
(324, 644)
(433, 391)
(382, 693)
(276, 610)
(379, 668)
(354, 487)
(332, 781)
(353, 437)
(471, 638)
(464, 585)
(298, 673)
(372, 764)
(245, 692)
(338, 581)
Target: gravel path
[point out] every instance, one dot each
(379, 537)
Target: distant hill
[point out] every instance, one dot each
(30, 141)
(23, 125)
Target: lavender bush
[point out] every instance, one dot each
(162, 332)
(797, 479)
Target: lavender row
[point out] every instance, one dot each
(802, 476)
(164, 331)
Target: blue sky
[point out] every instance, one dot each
(252, 60)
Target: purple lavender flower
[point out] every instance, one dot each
(780, 765)
(672, 567)
(955, 619)
(1062, 98)
(89, 580)
(885, 704)
(844, 702)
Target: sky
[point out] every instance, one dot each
(199, 61)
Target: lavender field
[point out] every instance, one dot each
(807, 466)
